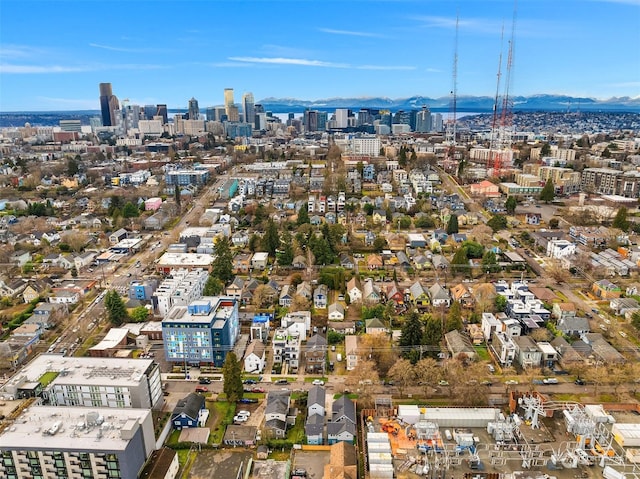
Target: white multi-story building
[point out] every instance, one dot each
(366, 145)
(90, 382)
(180, 289)
(560, 248)
(49, 442)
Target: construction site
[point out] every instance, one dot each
(534, 438)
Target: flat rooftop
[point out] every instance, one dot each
(185, 259)
(72, 428)
(81, 370)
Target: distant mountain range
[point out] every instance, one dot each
(479, 104)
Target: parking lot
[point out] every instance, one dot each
(311, 461)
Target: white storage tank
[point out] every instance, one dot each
(379, 447)
(377, 437)
(381, 471)
(380, 458)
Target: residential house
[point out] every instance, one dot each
(286, 296)
(458, 345)
(336, 312)
(342, 426)
(621, 306)
(371, 292)
(564, 311)
(117, 236)
(601, 350)
(240, 239)
(418, 295)
(375, 326)
(560, 248)
(439, 295)
(305, 290)
(298, 322)
(439, 262)
(528, 354)
(299, 262)
(351, 351)
(549, 354)
(533, 218)
(84, 260)
(316, 401)
(374, 262)
(242, 263)
(342, 327)
(504, 348)
(353, 290)
(567, 356)
(320, 296)
(189, 412)
(462, 295)
(276, 412)
(395, 294)
(485, 188)
(286, 348)
(234, 290)
(259, 261)
(343, 462)
(489, 324)
(254, 357)
(315, 354)
(346, 261)
(20, 257)
(314, 429)
(379, 217)
(65, 297)
(605, 289)
(34, 290)
(421, 262)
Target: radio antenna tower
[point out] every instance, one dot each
(505, 133)
(451, 122)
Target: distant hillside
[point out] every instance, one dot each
(464, 103)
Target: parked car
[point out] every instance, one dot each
(318, 382)
(282, 381)
(204, 381)
(580, 382)
(239, 418)
(247, 401)
(249, 381)
(442, 382)
(550, 381)
(202, 389)
(257, 390)
(244, 412)
(511, 382)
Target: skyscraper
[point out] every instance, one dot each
(194, 110)
(423, 120)
(163, 112)
(248, 108)
(228, 99)
(108, 104)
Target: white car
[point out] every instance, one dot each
(244, 413)
(318, 382)
(240, 418)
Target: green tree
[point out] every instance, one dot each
(213, 286)
(177, 196)
(232, 374)
(334, 337)
(548, 193)
(74, 272)
(285, 255)
(606, 153)
(303, 215)
(511, 204)
(405, 222)
(73, 166)
(490, 262)
(545, 150)
(501, 303)
(412, 330)
(454, 317)
(452, 225)
(139, 314)
(368, 209)
(130, 210)
(115, 205)
(497, 222)
(115, 308)
(474, 249)
(460, 261)
(424, 221)
(222, 265)
(271, 239)
(432, 331)
(620, 221)
(554, 223)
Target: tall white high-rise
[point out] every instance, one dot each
(342, 118)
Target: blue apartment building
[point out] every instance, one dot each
(202, 332)
(186, 177)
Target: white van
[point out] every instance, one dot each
(338, 357)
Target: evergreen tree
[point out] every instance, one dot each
(130, 210)
(452, 225)
(511, 204)
(490, 262)
(501, 303)
(271, 239)
(177, 196)
(115, 205)
(115, 308)
(303, 215)
(285, 257)
(222, 266)
(548, 193)
(412, 330)
(213, 286)
(497, 223)
(460, 261)
(621, 221)
(232, 374)
(432, 331)
(454, 317)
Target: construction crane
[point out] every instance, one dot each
(451, 121)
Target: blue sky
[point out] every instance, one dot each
(54, 53)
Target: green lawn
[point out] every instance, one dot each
(224, 412)
(482, 353)
(311, 379)
(290, 380)
(351, 396)
(47, 377)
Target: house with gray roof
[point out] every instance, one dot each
(189, 412)
(342, 426)
(574, 326)
(439, 295)
(314, 429)
(316, 401)
(458, 344)
(276, 412)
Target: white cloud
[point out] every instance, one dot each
(289, 61)
(350, 33)
(384, 67)
(19, 51)
(9, 68)
(115, 49)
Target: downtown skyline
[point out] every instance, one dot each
(310, 50)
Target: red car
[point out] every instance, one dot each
(202, 389)
(257, 390)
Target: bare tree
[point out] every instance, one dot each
(428, 373)
(403, 374)
(363, 379)
(379, 349)
(260, 296)
(300, 303)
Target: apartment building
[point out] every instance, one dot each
(179, 289)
